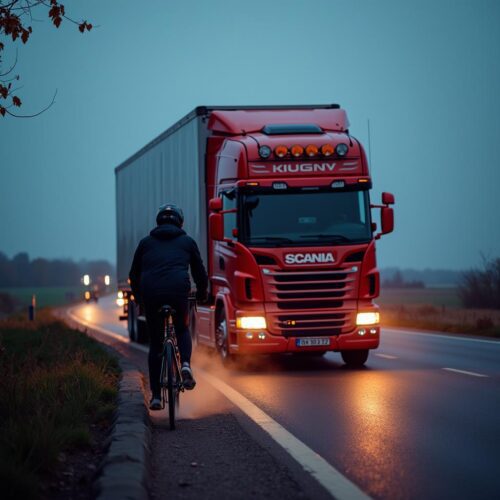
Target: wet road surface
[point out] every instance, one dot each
(422, 419)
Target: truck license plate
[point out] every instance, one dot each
(305, 342)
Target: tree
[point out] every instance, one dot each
(481, 287)
(15, 16)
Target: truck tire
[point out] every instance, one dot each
(222, 338)
(355, 359)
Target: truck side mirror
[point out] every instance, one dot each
(387, 219)
(215, 204)
(216, 226)
(387, 198)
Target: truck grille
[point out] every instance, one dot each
(311, 286)
(323, 299)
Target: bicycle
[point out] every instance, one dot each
(171, 380)
(170, 374)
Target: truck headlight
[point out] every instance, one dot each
(251, 323)
(368, 318)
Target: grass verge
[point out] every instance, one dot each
(55, 383)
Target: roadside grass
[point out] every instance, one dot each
(46, 296)
(55, 383)
(436, 309)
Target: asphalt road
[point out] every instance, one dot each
(421, 420)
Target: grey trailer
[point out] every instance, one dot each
(169, 169)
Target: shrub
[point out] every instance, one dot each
(481, 287)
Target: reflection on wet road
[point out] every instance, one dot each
(405, 426)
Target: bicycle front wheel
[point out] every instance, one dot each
(172, 395)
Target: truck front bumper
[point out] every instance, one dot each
(263, 342)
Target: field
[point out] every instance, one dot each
(437, 297)
(435, 309)
(45, 296)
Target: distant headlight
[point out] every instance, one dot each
(251, 323)
(120, 302)
(368, 318)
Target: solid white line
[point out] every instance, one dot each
(472, 374)
(386, 356)
(464, 339)
(330, 478)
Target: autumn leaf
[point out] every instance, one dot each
(2, 111)
(4, 91)
(81, 27)
(89, 26)
(57, 21)
(25, 36)
(54, 11)
(16, 101)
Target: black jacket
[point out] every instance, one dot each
(161, 264)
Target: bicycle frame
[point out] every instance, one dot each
(171, 381)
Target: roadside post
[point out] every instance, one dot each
(31, 308)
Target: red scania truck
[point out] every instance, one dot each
(277, 198)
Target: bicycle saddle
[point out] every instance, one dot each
(166, 310)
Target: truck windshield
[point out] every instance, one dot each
(305, 218)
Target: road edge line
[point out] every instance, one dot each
(335, 483)
(125, 468)
(330, 478)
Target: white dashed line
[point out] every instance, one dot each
(463, 372)
(330, 478)
(440, 335)
(386, 356)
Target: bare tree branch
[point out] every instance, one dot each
(36, 114)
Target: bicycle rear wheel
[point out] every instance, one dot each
(172, 393)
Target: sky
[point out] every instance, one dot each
(426, 75)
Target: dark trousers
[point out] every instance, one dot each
(156, 327)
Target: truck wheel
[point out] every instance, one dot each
(222, 337)
(355, 359)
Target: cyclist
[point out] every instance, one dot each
(159, 276)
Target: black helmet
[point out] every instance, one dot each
(170, 214)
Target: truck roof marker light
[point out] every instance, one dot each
(297, 150)
(327, 150)
(265, 152)
(363, 180)
(341, 149)
(311, 150)
(280, 185)
(280, 151)
(252, 184)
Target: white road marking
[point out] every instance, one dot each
(472, 374)
(386, 356)
(330, 478)
(464, 339)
